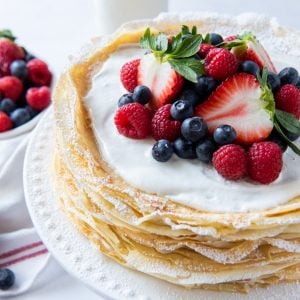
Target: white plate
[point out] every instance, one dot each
(82, 260)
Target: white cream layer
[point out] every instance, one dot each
(189, 182)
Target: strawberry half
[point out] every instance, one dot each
(241, 102)
(249, 48)
(161, 78)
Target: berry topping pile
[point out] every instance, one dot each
(218, 100)
(24, 84)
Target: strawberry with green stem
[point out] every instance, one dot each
(247, 47)
(247, 104)
(163, 69)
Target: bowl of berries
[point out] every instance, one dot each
(25, 82)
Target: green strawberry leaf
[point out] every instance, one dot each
(288, 121)
(187, 48)
(6, 33)
(179, 52)
(185, 29)
(189, 68)
(161, 43)
(293, 146)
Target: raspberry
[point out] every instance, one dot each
(264, 162)
(204, 49)
(38, 72)
(220, 63)
(133, 120)
(38, 98)
(164, 126)
(288, 99)
(128, 75)
(230, 161)
(9, 51)
(230, 38)
(11, 87)
(5, 122)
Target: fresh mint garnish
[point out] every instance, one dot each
(179, 52)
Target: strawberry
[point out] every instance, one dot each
(220, 63)
(288, 99)
(9, 51)
(237, 102)
(251, 49)
(161, 78)
(128, 74)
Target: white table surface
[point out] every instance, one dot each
(53, 29)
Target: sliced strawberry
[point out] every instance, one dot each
(237, 102)
(251, 49)
(162, 80)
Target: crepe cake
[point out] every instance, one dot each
(176, 149)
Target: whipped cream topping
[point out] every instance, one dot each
(189, 182)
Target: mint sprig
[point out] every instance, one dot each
(178, 52)
(6, 33)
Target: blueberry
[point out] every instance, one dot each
(162, 150)
(215, 38)
(273, 81)
(205, 86)
(181, 110)
(7, 106)
(20, 116)
(142, 94)
(7, 279)
(19, 69)
(276, 138)
(224, 134)
(190, 96)
(194, 129)
(205, 150)
(288, 75)
(250, 67)
(32, 112)
(298, 83)
(125, 99)
(184, 149)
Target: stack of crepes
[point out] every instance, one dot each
(150, 233)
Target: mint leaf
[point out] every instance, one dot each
(293, 146)
(6, 33)
(189, 68)
(288, 121)
(189, 47)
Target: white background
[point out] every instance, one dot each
(52, 29)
